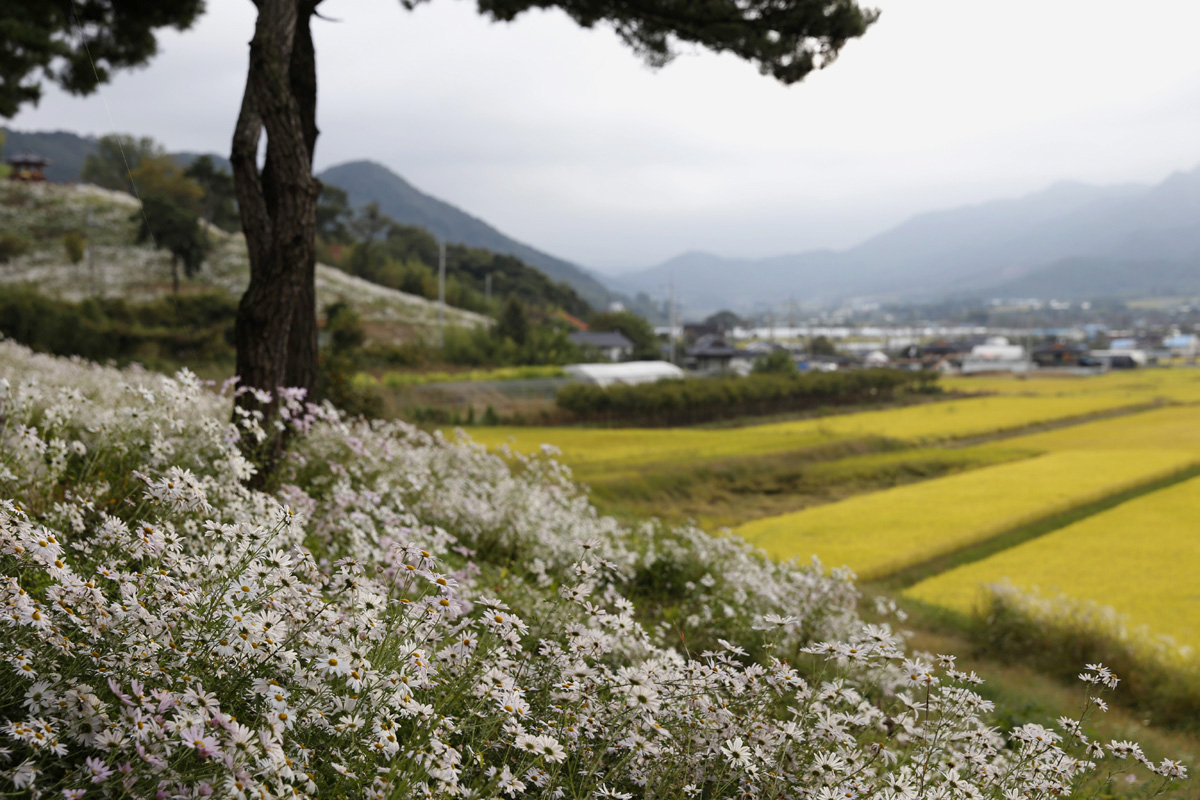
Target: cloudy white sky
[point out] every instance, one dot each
(561, 138)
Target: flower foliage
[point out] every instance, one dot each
(405, 616)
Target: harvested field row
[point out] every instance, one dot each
(1141, 558)
(599, 451)
(883, 532)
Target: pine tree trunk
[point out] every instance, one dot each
(302, 344)
(276, 320)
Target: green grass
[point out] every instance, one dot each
(1019, 681)
(401, 379)
(730, 492)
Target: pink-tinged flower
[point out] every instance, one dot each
(148, 757)
(116, 689)
(204, 743)
(74, 794)
(99, 771)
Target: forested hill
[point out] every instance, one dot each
(367, 181)
(405, 257)
(363, 182)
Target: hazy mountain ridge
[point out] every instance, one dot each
(1085, 278)
(1153, 230)
(976, 248)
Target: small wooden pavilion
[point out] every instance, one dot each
(28, 167)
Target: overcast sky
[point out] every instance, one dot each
(561, 138)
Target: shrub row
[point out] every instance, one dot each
(184, 328)
(690, 401)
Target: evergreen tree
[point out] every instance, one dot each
(822, 346)
(334, 214)
(170, 214)
(78, 44)
(778, 362)
(513, 324)
(175, 228)
(115, 157)
(725, 320)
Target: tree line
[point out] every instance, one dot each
(693, 401)
(192, 328)
(368, 243)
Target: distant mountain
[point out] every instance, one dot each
(1089, 278)
(977, 248)
(367, 181)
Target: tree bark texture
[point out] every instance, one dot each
(276, 320)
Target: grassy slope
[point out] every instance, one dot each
(44, 213)
(1028, 694)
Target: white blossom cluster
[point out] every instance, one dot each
(403, 616)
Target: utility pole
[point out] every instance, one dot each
(487, 288)
(441, 293)
(1029, 345)
(671, 319)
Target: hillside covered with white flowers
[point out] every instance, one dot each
(405, 616)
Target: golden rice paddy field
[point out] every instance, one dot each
(595, 451)
(883, 532)
(1145, 385)
(1141, 558)
(1170, 428)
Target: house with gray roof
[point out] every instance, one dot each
(610, 344)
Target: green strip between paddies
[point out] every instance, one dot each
(880, 533)
(1141, 558)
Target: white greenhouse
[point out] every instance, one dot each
(623, 373)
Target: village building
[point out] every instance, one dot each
(1061, 355)
(27, 167)
(612, 345)
(710, 353)
(1182, 345)
(995, 355)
